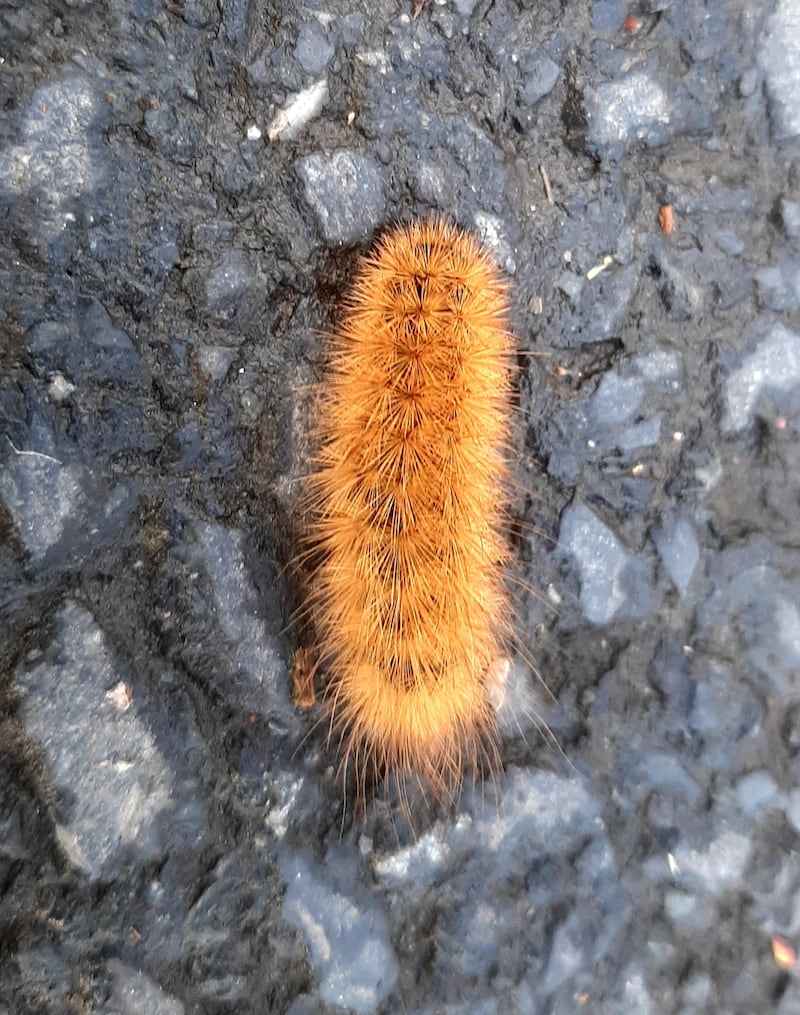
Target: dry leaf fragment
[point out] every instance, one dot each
(303, 670)
(120, 696)
(782, 952)
(666, 218)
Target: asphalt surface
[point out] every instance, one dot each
(185, 188)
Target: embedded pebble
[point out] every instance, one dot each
(256, 650)
(660, 366)
(635, 106)
(641, 435)
(538, 815)
(774, 366)
(62, 511)
(55, 158)
(719, 716)
(756, 792)
(748, 82)
(697, 993)
(608, 16)
(41, 495)
(793, 809)
(346, 193)
(134, 993)
(348, 944)
(729, 242)
(118, 787)
(717, 866)
(787, 629)
(779, 285)
(229, 280)
(314, 50)
(614, 582)
(87, 345)
(682, 295)
(571, 285)
(688, 911)
(216, 360)
(677, 545)
(636, 996)
(790, 218)
(780, 60)
(667, 773)
(536, 807)
(162, 258)
(617, 399)
(751, 597)
(539, 75)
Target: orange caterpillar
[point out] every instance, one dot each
(408, 502)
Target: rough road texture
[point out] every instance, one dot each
(184, 187)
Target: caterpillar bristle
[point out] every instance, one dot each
(407, 502)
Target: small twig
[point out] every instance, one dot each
(548, 190)
(595, 271)
(33, 454)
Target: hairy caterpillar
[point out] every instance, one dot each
(408, 499)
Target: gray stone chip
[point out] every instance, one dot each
(346, 193)
(100, 756)
(614, 582)
(780, 59)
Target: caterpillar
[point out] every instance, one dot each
(407, 503)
